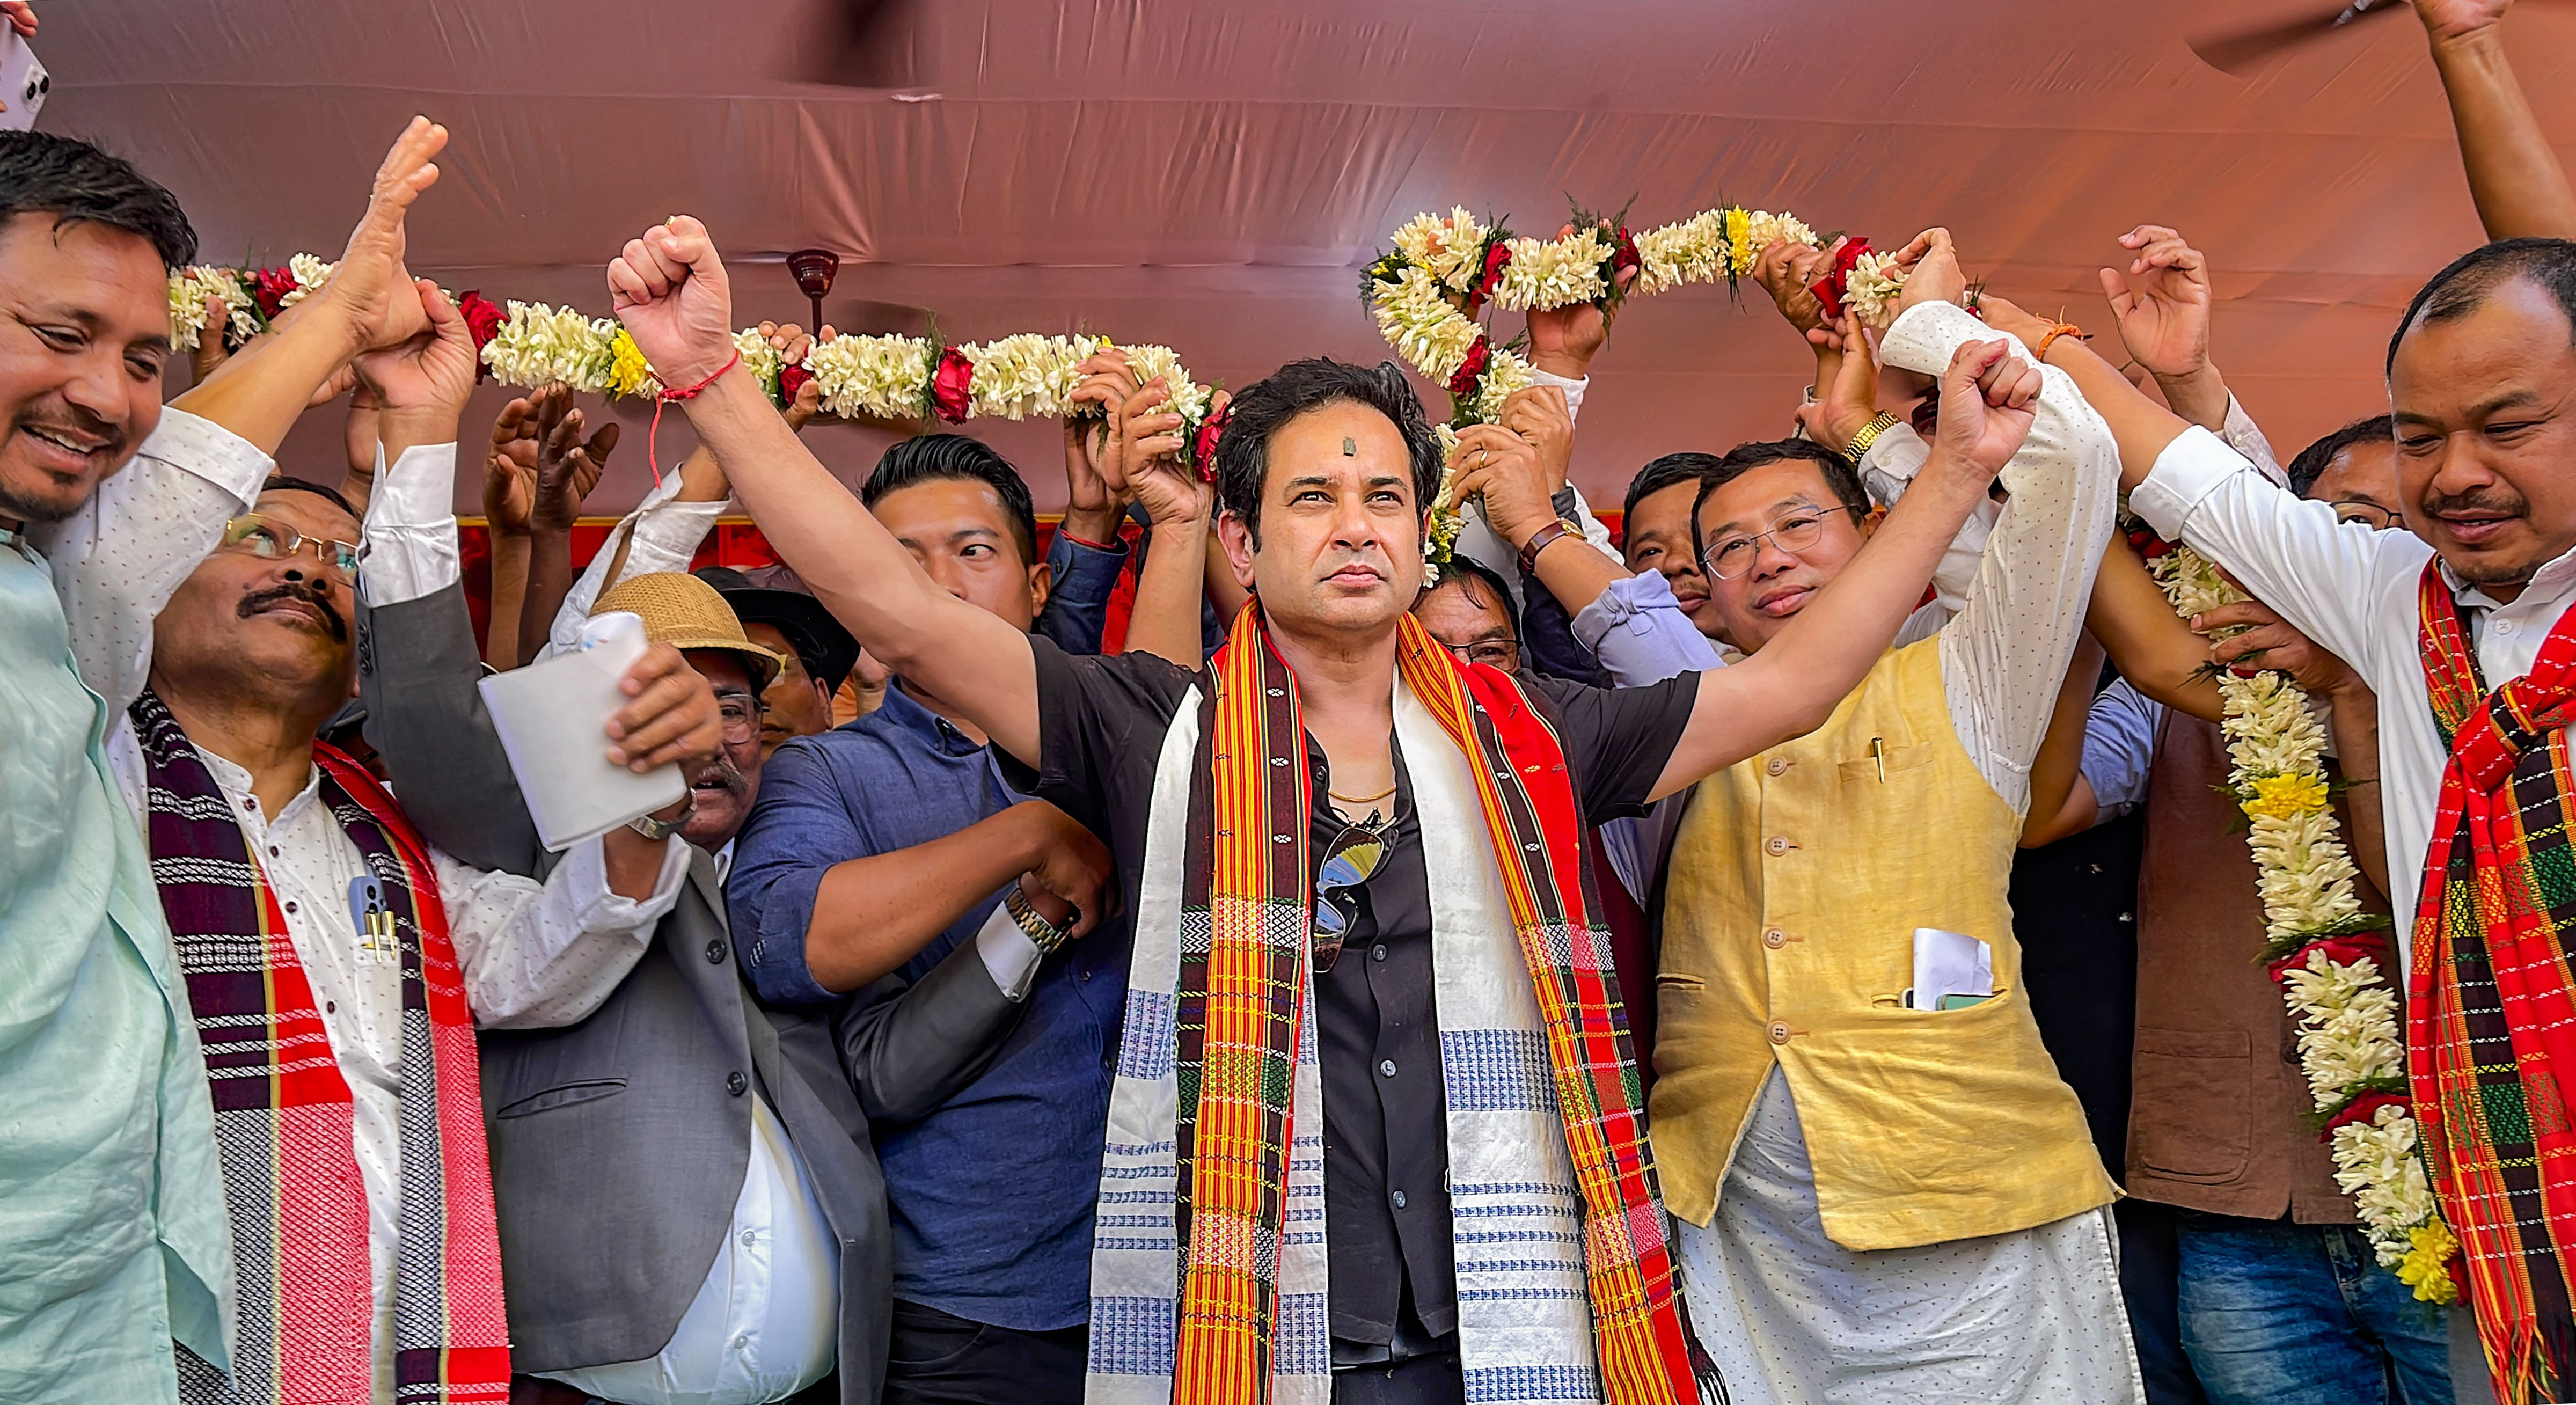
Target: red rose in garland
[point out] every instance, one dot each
(791, 379)
(2343, 951)
(1203, 445)
(483, 319)
(1623, 256)
(1829, 289)
(2363, 1109)
(1498, 256)
(951, 390)
(269, 287)
(1471, 370)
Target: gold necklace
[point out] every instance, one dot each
(1359, 799)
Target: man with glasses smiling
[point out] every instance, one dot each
(1845, 1158)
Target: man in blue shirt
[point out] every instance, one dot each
(876, 851)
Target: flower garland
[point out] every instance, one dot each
(1426, 294)
(2350, 1046)
(528, 344)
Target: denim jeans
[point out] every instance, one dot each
(2292, 1314)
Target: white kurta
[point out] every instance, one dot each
(1792, 1318)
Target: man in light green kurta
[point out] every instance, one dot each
(112, 1234)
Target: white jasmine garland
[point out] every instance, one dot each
(538, 343)
(1548, 273)
(886, 377)
(1418, 295)
(2350, 1044)
(1871, 288)
(1451, 250)
(759, 358)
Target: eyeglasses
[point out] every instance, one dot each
(1504, 654)
(1349, 860)
(1733, 556)
(2371, 514)
(272, 540)
(740, 715)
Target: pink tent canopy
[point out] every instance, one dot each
(1213, 175)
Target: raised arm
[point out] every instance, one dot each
(2514, 176)
(670, 290)
(117, 561)
(1793, 683)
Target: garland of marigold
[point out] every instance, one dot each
(528, 345)
(2351, 1049)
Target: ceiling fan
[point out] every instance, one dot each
(2240, 51)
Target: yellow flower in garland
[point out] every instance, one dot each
(2426, 1267)
(628, 372)
(1740, 252)
(2281, 797)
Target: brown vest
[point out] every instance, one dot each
(2215, 1113)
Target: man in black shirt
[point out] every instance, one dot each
(1323, 476)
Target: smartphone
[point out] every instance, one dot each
(23, 82)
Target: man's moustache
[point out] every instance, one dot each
(2509, 504)
(259, 600)
(723, 772)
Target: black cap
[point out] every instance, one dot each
(774, 597)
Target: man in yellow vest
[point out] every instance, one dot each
(1883, 1194)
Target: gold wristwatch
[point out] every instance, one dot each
(1045, 935)
(1878, 425)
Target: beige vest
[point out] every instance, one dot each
(1797, 881)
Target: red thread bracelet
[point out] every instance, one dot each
(652, 435)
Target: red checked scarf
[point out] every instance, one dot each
(303, 1290)
(2491, 1011)
(1239, 1008)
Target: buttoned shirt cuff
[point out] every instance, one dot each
(1928, 334)
(1638, 631)
(2192, 467)
(593, 907)
(1573, 388)
(1089, 572)
(661, 535)
(1888, 466)
(2242, 435)
(411, 526)
(1010, 958)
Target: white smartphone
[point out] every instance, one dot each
(24, 82)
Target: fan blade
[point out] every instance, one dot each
(2240, 51)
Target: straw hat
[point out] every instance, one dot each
(687, 613)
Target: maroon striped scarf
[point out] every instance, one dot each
(304, 1294)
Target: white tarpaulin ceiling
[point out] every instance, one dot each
(1212, 175)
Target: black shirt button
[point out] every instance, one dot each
(716, 952)
(1387, 1067)
(1398, 1199)
(735, 1083)
(1378, 952)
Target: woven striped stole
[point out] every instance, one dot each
(2489, 1037)
(1239, 1010)
(304, 1293)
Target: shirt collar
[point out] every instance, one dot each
(2556, 578)
(235, 782)
(902, 712)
